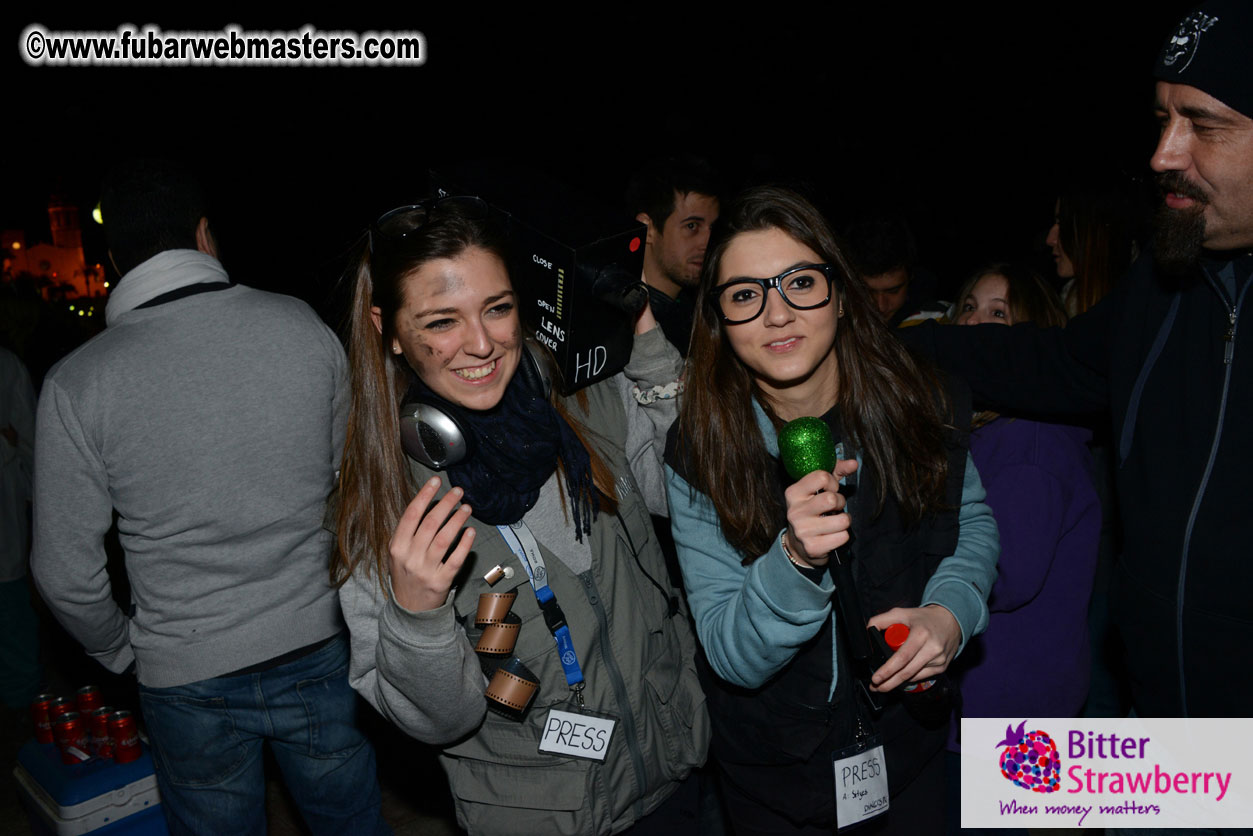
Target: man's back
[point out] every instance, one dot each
(209, 417)
(213, 424)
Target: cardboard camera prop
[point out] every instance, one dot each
(576, 266)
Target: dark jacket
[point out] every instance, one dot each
(1168, 363)
(774, 738)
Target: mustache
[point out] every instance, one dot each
(1173, 181)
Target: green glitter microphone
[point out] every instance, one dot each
(806, 445)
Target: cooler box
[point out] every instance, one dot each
(96, 796)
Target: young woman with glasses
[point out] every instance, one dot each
(522, 578)
(782, 332)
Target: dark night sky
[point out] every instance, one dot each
(966, 120)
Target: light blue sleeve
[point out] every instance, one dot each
(751, 619)
(964, 579)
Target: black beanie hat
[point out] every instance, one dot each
(1210, 50)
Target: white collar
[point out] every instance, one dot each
(167, 270)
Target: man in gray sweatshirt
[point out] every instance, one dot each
(210, 416)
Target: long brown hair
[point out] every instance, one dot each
(374, 483)
(1096, 224)
(891, 409)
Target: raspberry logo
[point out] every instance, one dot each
(1030, 759)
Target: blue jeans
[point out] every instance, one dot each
(207, 738)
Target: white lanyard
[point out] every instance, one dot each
(522, 543)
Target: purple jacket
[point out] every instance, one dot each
(1033, 659)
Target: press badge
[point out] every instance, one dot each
(861, 783)
(577, 734)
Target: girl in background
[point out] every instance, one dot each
(1033, 660)
(1093, 239)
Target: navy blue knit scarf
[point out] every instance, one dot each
(514, 448)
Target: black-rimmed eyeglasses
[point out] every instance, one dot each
(804, 288)
(395, 225)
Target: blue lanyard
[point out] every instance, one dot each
(522, 543)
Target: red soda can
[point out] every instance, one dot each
(41, 717)
(61, 705)
(71, 735)
(89, 699)
(125, 736)
(101, 743)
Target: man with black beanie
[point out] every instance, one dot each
(1165, 356)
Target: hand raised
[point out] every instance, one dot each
(816, 526)
(644, 320)
(422, 567)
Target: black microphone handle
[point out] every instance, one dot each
(840, 565)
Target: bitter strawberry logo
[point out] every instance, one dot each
(1030, 759)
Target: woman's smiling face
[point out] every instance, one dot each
(459, 328)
